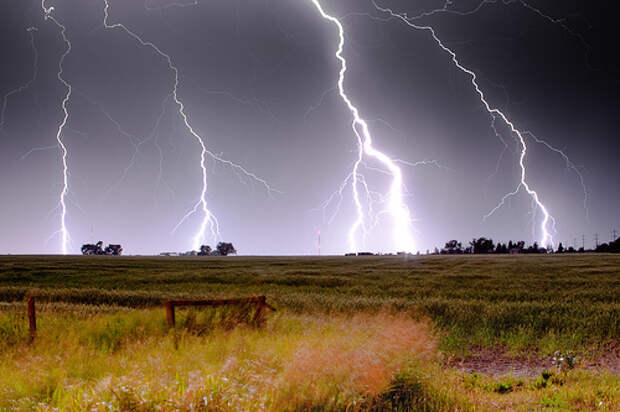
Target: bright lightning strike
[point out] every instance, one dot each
(561, 22)
(209, 220)
(403, 238)
(64, 233)
(547, 222)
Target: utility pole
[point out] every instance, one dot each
(319, 244)
(583, 242)
(596, 239)
(613, 235)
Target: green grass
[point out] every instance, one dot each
(363, 333)
(540, 303)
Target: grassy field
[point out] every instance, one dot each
(362, 333)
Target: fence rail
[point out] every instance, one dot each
(259, 301)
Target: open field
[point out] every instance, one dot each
(424, 333)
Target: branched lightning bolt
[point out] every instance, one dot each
(446, 9)
(64, 233)
(547, 221)
(569, 165)
(553, 20)
(133, 140)
(35, 71)
(558, 21)
(209, 219)
(402, 221)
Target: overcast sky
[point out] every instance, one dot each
(258, 78)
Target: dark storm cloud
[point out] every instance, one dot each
(249, 74)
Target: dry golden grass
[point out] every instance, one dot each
(365, 359)
(295, 361)
(329, 346)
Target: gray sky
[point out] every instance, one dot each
(257, 80)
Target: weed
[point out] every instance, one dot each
(502, 387)
(564, 361)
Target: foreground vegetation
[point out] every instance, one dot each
(371, 333)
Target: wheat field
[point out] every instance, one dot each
(350, 333)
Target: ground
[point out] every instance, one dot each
(349, 333)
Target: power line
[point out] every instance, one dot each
(583, 242)
(596, 239)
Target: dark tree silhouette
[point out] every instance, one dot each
(611, 247)
(482, 245)
(97, 249)
(225, 249)
(453, 247)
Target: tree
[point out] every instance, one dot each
(453, 247)
(205, 250)
(482, 245)
(533, 249)
(225, 249)
(614, 247)
(501, 248)
(611, 247)
(560, 248)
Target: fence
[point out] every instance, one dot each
(259, 301)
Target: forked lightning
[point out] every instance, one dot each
(402, 232)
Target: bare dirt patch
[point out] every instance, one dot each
(497, 362)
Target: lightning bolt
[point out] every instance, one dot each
(547, 223)
(25, 86)
(62, 202)
(446, 8)
(561, 22)
(569, 165)
(402, 235)
(209, 220)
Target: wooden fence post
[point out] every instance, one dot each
(32, 318)
(260, 302)
(260, 307)
(170, 313)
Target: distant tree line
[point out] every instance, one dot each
(483, 245)
(222, 249)
(611, 247)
